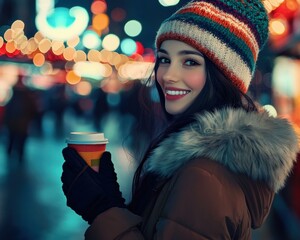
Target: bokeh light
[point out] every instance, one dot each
(69, 53)
(118, 14)
(98, 7)
(18, 24)
(100, 21)
(83, 88)
(73, 42)
(58, 47)
(93, 55)
(72, 78)
(94, 70)
(80, 55)
(10, 47)
(63, 25)
(133, 28)
(38, 59)
(91, 40)
(1, 41)
(44, 45)
(168, 3)
(284, 78)
(128, 46)
(111, 42)
(278, 26)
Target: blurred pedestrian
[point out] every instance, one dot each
(18, 116)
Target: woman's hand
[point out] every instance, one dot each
(88, 192)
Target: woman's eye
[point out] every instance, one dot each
(191, 63)
(163, 60)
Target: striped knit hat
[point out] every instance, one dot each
(229, 32)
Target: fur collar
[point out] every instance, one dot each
(255, 144)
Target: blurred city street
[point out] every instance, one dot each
(32, 204)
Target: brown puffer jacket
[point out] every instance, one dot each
(224, 170)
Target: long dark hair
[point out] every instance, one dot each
(218, 92)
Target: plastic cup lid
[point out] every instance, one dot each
(86, 138)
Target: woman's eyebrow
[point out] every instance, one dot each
(183, 52)
(186, 52)
(162, 51)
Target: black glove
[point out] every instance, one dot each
(88, 192)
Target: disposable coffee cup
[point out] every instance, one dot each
(89, 145)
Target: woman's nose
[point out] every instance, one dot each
(171, 74)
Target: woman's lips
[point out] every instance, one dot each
(172, 94)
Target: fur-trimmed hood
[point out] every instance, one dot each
(262, 147)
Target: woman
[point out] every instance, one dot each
(213, 172)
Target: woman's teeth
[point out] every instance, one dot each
(171, 92)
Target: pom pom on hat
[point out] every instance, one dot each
(229, 32)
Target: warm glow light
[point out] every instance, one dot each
(105, 55)
(277, 26)
(80, 56)
(38, 36)
(135, 70)
(10, 47)
(38, 59)
(32, 45)
(69, 53)
(111, 42)
(72, 78)
(18, 24)
(108, 70)
(98, 7)
(83, 88)
(1, 41)
(100, 21)
(115, 59)
(58, 47)
(271, 5)
(8, 35)
(93, 55)
(73, 42)
(21, 41)
(274, 3)
(93, 70)
(44, 45)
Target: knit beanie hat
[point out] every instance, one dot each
(229, 32)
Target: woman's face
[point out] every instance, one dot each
(181, 74)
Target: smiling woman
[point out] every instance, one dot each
(216, 163)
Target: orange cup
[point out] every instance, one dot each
(89, 145)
